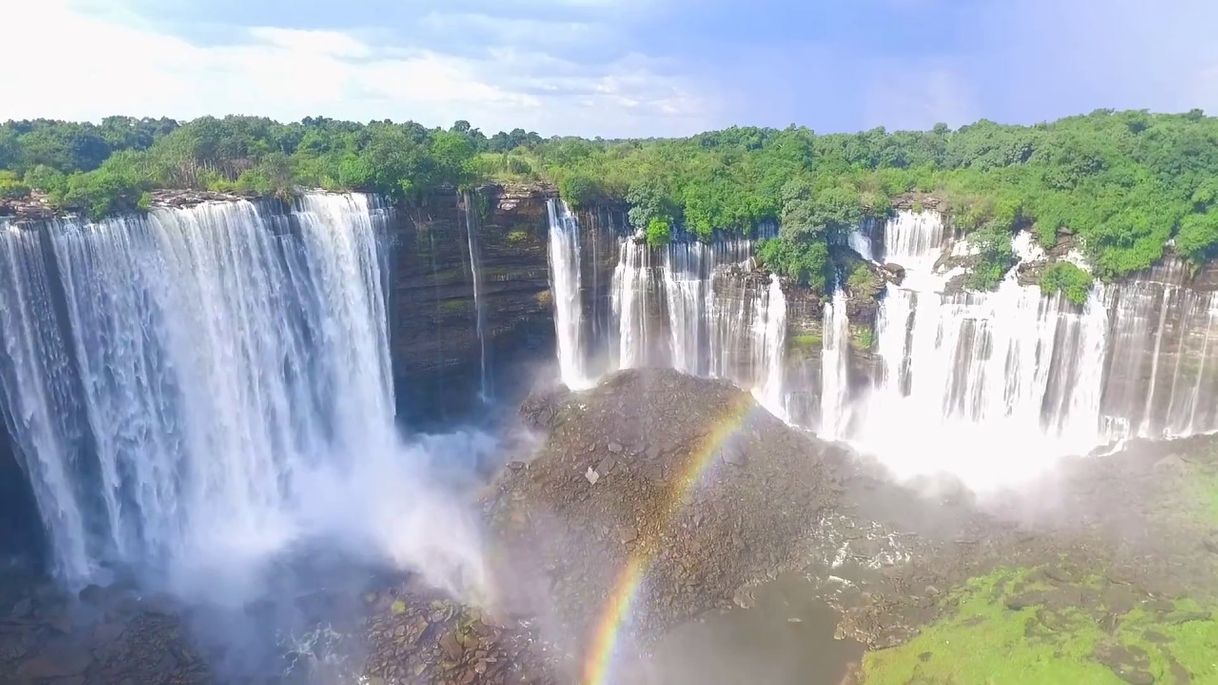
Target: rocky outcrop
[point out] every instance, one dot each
(106, 635)
(34, 207)
(613, 483)
(917, 202)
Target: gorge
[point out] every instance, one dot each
(230, 379)
(1014, 374)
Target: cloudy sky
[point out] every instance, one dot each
(610, 67)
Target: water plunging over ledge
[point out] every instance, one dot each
(192, 391)
(469, 212)
(998, 384)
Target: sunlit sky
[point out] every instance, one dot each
(610, 67)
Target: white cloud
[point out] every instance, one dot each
(86, 65)
(329, 43)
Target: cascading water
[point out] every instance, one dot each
(632, 292)
(1012, 379)
(686, 305)
(193, 391)
(1005, 382)
(772, 346)
(834, 400)
(565, 284)
(1162, 372)
(469, 211)
(980, 368)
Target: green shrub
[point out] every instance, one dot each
(863, 282)
(804, 261)
(806, 341)
(46, 179)
(993, 241)
(272, 177)
(863, 338)
(1067, 279)
(659, 233)
(578, 189)
(1197, 238)
(11, 187)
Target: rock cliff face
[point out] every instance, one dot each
(20, 533)
(437, 352)
(805, 337)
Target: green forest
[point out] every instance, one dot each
(1124, 184)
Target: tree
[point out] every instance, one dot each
(11, 186)
(1067, 279)
(659, 232)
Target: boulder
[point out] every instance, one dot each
(893, 273)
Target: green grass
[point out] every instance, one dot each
(806, 341)
(455, 306)
(983, 641)
(863, 338)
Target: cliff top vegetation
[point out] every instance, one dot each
(1124, 183)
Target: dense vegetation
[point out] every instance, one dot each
(1067, 279)
(1123, 183)
(100, 169)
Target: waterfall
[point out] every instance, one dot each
(772, 349)
(834, 399)
(564, 258)
(476, 279)
(1162, 378)
(193, 390)
(1003, 381)
(989, 386)
(702, 334)
(40, 396)
(631, 289)
(914, 240)
(691, 306)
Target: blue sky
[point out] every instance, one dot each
(612, 67)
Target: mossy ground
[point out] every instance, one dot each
(1066, 620)
(1199, 495)
(1035, 626)
(807, 341)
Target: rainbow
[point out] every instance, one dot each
(608, 627)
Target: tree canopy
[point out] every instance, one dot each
(1123, 183)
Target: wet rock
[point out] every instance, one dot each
(59, 658)
(106, 633)
(894, 273)
(734, 456)
(23, 608)
(1128, 663)
(451, 646)
(606, 465)
(93, 594)
(955, 285)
